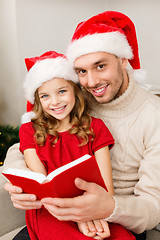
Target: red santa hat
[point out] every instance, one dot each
(41, 69)
(111, 32)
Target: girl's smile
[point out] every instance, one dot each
(59, 110)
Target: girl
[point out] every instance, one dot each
(60, 131)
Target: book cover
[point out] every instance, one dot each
(60, 182)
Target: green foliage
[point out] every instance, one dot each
(8, 136)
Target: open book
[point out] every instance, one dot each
(60, 181)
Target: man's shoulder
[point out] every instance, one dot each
(151, 99)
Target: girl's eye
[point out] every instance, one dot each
(44, 96)
(62, 91)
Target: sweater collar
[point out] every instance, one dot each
(123, 105)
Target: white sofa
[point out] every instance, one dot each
(12, 220)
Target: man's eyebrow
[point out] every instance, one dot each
(93, 64)
(77, 68)
(100, 61)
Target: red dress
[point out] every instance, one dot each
(40, 223)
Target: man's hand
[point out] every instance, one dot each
(95, 203)
(22, 200)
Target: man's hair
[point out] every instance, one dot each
(79, 118)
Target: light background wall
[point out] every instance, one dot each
(31, 27)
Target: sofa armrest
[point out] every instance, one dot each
(11, 218)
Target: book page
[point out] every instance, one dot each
(39, 177)
(67, 166)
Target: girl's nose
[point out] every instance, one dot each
(54, 101)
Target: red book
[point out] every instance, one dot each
(60, 181)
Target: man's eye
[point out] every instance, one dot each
(82, 71)
(100, 66)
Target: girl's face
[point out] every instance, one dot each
(57, 98)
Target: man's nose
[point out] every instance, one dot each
(92, 79)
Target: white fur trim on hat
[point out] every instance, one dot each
(139, 76)
(110, 42)
(45, 70)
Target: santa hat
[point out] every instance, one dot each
(111, 32)
(41, 69)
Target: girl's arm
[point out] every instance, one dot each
(33, 162)
(104, 162)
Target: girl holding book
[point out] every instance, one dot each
(56, 130)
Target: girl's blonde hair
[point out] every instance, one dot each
(79, 118)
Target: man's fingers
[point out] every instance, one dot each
(26, 205)
(12, 189)
(64, 214)
(86, 186)
(23, 197)
(62, 202)
(24, 202)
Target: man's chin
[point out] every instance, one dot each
(102, 100)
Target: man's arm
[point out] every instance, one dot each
(14, 159)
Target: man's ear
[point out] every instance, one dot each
(124, 62)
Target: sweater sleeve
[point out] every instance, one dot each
(141, 210)
(14, 159)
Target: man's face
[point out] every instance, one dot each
(103, 75)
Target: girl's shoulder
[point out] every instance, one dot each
(27, 127)
(96, 122)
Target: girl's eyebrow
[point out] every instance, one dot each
(41, 93)
(65, 86)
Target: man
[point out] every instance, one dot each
(100, 51)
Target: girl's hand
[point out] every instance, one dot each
(87, 228)
(22, 200)
(97, 229)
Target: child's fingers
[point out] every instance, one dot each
(105, 225)
(91, 226)
(98, 225)
(84, 228)
(98, 237)
(106, 232)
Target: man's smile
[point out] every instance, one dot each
(100, 91)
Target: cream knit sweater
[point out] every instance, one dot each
(134, 121)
